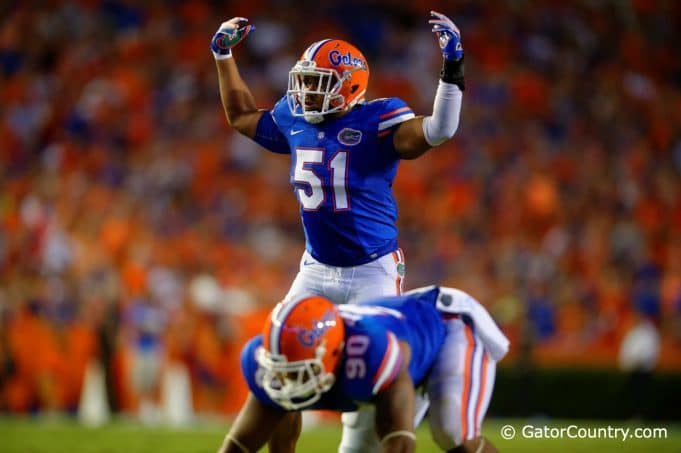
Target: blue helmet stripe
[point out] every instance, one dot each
(311, 51)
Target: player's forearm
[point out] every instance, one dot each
(399, 444)
(286, 435)
(252, 428)
(443, 123)
(395, 412)
(243, 438)
(233, 445)
(237, 99)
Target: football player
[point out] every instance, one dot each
(344, 153)
(314, 354)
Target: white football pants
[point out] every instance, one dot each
(459, 386)
(349, 285)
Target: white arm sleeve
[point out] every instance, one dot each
(444, 121)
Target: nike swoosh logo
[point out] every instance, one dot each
(308, 263)
(296, 131)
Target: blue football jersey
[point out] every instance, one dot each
(372, 355)
(342, 171)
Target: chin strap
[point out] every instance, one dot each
(313, 118)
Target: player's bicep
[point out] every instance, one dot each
(285, 437)
(247, 122)
(408, 139)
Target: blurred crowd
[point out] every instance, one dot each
(137, 229)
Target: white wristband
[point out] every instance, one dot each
(217, 56)
(444, 121)
(401, 432)
(241, 446)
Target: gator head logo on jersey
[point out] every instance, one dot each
(302, 346)
(349, 137)
(331, 77)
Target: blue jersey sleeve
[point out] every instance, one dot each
(373, 361)
(390, 364)
(393, 112)
(269, 136)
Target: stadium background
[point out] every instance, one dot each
(138, 231)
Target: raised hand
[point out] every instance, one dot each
(448, 35)
(230, 33)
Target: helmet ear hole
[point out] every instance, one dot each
(354, 88)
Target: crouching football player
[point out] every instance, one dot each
(317, 355)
